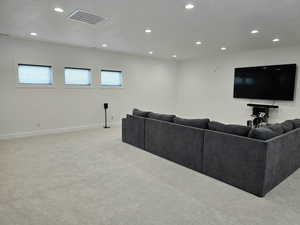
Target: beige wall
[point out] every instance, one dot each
(205, 86)
(148, 84)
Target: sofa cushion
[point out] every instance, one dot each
(277, 128)
(199, 123)
(137, 112)
(229, 128)
(296, 123)
(164, 117)
(262, 133)
(287, 125)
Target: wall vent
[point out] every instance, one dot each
(86, 17)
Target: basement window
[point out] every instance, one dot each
(77, 76)
(35, 74)
(111, 78)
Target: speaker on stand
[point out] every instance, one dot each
(105, 110)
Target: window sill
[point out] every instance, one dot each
(35, 86)
(110, 87)
(78, 86)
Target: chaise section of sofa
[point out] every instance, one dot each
(283, 158)
(133, 131)
(252, 165)
(177, 143)
(235, 160)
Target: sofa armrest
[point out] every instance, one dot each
(283, 158)
(133, 131)
(235, 160)
(124, 129)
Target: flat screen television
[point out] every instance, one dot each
(265, 82)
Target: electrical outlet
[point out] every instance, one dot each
(38, 125)
(112, 118)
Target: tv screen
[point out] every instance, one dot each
(265, 82)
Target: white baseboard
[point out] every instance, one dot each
(52, 131)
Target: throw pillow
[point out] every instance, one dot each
(229, 128)
(199, 123)
(164, 117)
(137, 112)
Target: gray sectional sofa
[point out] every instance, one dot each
(223, 152)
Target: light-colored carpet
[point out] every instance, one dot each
(92, 178)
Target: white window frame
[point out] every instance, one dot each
(112, 86)
(78, 85)
(34, 85)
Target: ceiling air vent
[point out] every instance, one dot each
(85, 17)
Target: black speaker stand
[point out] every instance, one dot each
(105, 126)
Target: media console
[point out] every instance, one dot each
(261, 113)
(263, 106)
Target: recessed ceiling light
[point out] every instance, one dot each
(104, 45)
(33, 34)
(276, 40)
(223, 48)
(174, 56)
(148, 30)
(198, 42)
(254, 32)
(60, 10)
(189, 6)
(150, 52)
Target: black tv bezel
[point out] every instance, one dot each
(262, 98)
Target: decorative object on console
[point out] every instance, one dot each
(249, 123)
(260, 120)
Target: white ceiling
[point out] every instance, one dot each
(174, 30)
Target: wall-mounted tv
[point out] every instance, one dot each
(265, 82)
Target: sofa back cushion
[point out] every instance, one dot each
(164, 117)
(199, 123)
(229, 128)
(262, 133)
(273, 130)
(296, 123)
(287, 125)
(277, 128)
(137, 112)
